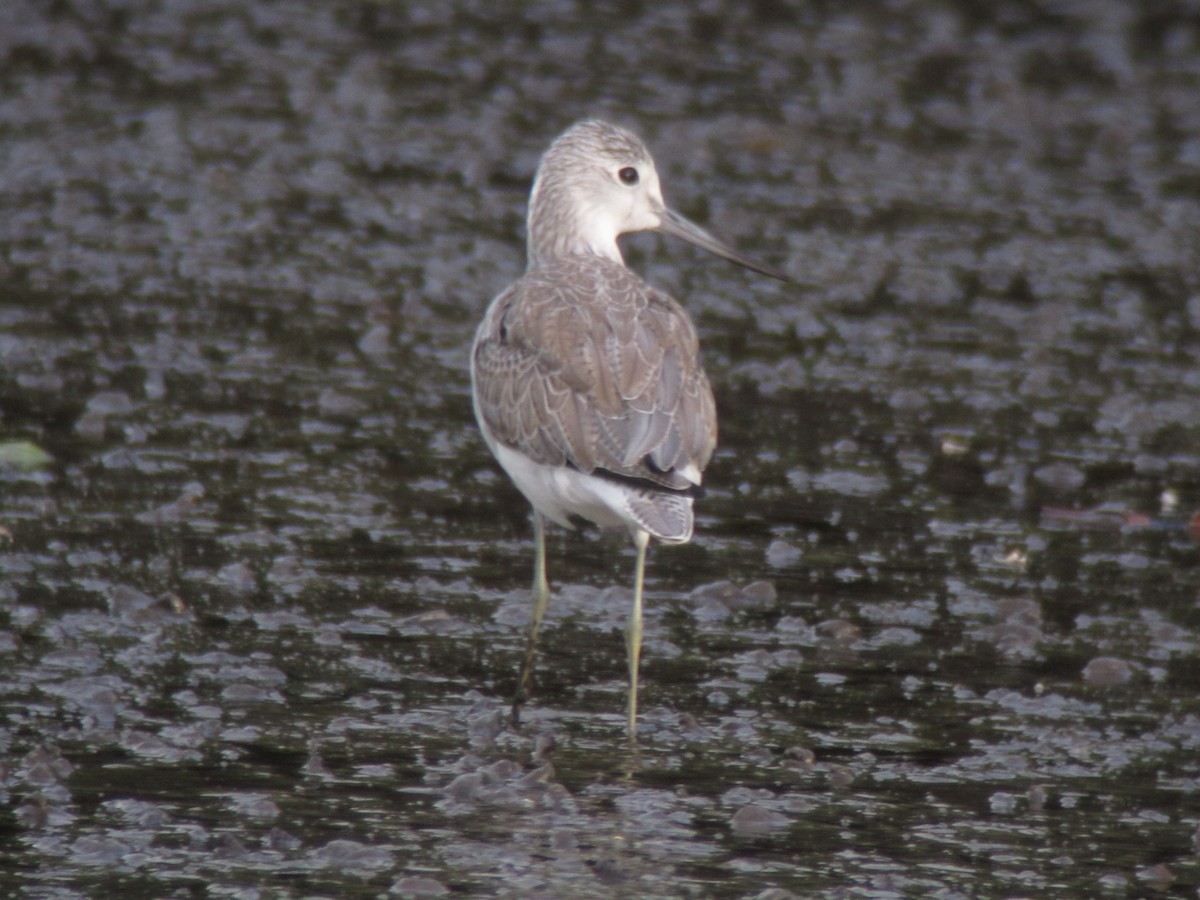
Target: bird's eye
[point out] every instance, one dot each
(628, 175)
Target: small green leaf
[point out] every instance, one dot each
(25, 456)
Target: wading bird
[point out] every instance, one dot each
(587, 381)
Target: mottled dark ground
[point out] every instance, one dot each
(262, 607)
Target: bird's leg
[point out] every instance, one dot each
(541, 597)
(633, 633)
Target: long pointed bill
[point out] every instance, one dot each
(676, 225)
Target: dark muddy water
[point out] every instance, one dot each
(262, 607)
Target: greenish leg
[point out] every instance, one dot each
(633, 634)
(541, 597)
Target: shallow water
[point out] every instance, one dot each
(262, 610)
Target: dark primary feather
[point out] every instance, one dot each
(581, 363)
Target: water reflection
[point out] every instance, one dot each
(261, 608)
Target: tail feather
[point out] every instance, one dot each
(664, 516)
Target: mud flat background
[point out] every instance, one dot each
(263, 591)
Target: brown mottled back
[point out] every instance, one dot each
(581, 363)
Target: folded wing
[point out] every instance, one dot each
(583, 364)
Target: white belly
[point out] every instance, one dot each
(559, 492)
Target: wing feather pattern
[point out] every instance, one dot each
(581, 363)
